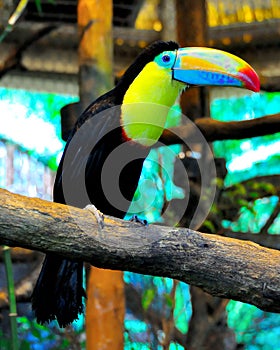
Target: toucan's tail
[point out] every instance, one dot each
(59, 292)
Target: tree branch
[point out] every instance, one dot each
(13, 58)
(23, 288)
(221, 266)
(214, 130)
(265, 240)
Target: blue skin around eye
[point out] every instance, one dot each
(196, 77)
(166, 59)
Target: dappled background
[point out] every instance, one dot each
(39, 75)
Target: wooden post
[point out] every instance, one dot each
(105, 289)
(105, 310)
(192, 30)
(95, 48)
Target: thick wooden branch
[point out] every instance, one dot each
(214, 130)
(221, 266)
(265, 240)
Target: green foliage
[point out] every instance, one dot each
(266, 187)
(38, 337)
(157, 296)
(208, 226)
(182, 308)
(5, 342)
(254, 203)
(254, 216)
(168, 300)
(254, 328)
(39, 112)
(147, 298)
(259, 154)
(11, 295)
(39, 5)
(245, 106)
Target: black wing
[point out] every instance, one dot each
(97, 165)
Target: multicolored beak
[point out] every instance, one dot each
(211, 67)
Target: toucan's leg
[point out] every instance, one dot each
(135, 218)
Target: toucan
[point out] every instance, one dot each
(103, 157)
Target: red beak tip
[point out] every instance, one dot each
(255, 88)
(253, 81)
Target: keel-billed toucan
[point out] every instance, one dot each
(103, 157)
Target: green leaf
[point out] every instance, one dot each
(36, 332)
(39, 6)
(25, 345)
(254, 194)
(220, 183)
(168, 300)
(147, 298)
(209, 225)
(243, 203)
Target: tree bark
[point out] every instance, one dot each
(265, 240)
(221, 266)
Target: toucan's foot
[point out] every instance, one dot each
(135, 218)
(98, 215)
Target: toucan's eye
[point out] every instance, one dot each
(166, 58)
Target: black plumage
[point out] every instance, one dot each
(97, 139)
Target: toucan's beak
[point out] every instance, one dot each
(205, 66)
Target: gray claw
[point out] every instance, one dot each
(98, 215)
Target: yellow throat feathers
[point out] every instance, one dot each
(147, 102)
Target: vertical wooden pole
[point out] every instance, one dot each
(105, 310)
(95, 48)
(192, 30)
(105, 289)
(168, 17)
